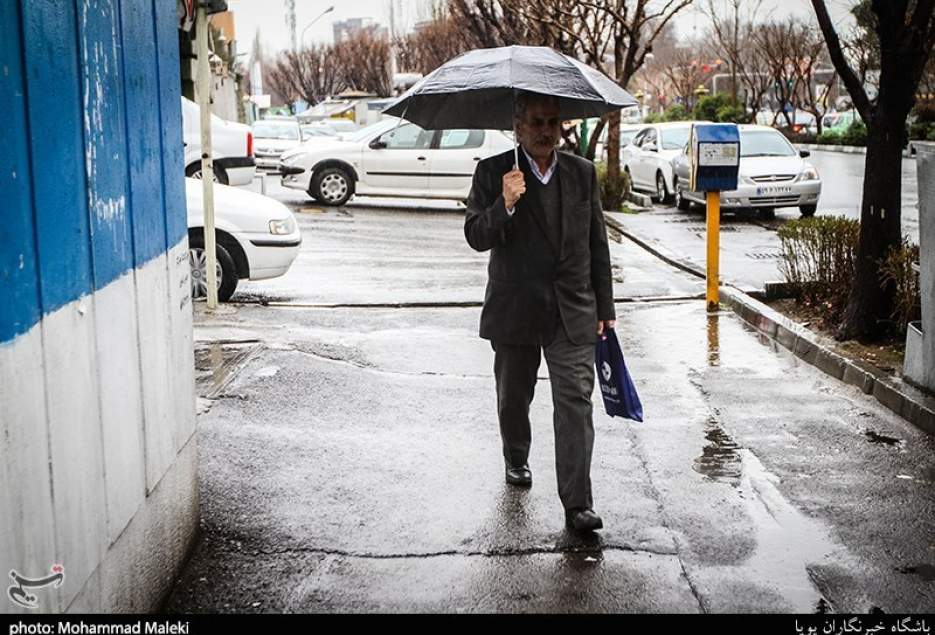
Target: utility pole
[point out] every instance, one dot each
(290, 22)
(207, 164)
(393, 67)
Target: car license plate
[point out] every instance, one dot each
(774, 189)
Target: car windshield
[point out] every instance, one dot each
(674, 138)
(364, 133)
(764, 143)
(275, 130)
(318, 131)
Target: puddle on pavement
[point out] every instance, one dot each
(787, 541)
(218, 363)
(924, 571)
(881, 439)
(720, 459)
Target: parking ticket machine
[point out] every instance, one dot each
(715, 160)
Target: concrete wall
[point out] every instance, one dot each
(925, 167)
(97, 448)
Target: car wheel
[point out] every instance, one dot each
(332, 186)
(767, 213)
(220, 174)
(681, 203)
(662, 192)
(226, 270)
(807, 211)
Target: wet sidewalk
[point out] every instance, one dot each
(350, 461)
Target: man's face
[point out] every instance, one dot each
(539, 128)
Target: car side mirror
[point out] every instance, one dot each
(651, 147)
(376, 144)
(805, 153)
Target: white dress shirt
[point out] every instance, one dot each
(544, 177)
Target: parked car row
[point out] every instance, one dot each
(391, 158)
(772, 173)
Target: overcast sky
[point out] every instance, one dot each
(269, 17)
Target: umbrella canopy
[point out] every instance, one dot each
(477, 89)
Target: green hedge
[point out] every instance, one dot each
(854, 135)
(817, 259)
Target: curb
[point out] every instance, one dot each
(907, 153)
(908, 402)
(644, 200)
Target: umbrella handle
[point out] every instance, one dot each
(515, 138)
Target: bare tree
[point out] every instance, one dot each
(431, 46)
(776, 40)
(311, 74)
(810, 55)
(686, 72)
(906, 34)
(364, 60)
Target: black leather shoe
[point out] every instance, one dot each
(583, 520)
(519, 476)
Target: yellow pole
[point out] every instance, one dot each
(714, 246)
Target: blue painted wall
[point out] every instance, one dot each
(91, 171)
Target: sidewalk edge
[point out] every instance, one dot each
(906, 401)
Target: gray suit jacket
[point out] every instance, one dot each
(530, 278)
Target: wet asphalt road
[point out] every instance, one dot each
(350, 458)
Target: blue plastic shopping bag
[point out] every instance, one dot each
(620, 398)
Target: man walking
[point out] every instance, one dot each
(549, 291)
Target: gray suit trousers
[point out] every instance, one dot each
(571, 372)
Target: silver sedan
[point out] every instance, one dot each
(772, 174)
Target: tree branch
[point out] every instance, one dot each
(854, 87)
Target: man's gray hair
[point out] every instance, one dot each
(524, 98)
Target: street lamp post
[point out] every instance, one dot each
(328, 10)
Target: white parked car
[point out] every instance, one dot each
(387, 159)
(772, 174)
(648, 157)
(257, 237)
(231, 147)
(273, 137)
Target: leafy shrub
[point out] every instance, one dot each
(706, 108)
(653, 117)
(613, 191)
(676, 112)
(732, 113)
(829, 137)
(817, 259)
(923, 130)
(897, 269)
(855, 135)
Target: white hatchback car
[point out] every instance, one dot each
(273, 137)
(391, 158)
(257, 237)
(231, 146)
(648, 157)
(772, 174)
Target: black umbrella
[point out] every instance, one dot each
(477, 89)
